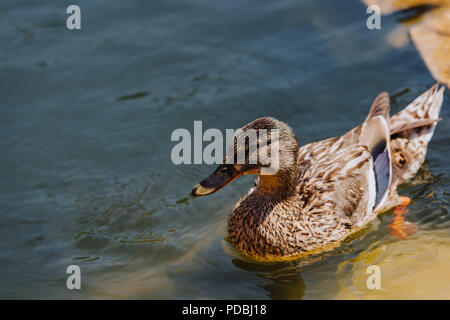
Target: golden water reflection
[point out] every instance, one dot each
(414, 269)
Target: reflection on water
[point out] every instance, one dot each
(285, 278)
(289, 287)
(417, 269)
(86, 119)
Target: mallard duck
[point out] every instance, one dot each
(324, 191)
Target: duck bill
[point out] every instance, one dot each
(222, 176)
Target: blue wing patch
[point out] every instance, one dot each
(381, 164)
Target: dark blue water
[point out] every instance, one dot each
(86, 117)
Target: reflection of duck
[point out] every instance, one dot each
(326, 190)
(284, 281)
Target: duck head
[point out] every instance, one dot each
(266, 147)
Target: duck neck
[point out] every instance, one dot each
(280, 185)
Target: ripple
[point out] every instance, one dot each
(133, 96)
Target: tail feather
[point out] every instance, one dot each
(380, 107)
(411, 130)
(402, 127)
(407, 133)
(424, 108)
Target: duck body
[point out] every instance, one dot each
(328, 203)
(326, 190)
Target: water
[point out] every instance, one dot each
(86, 118)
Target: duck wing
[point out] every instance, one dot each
(336, 187)
(348, 177)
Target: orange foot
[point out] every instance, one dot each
(399, 227)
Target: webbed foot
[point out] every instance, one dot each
(399, 227)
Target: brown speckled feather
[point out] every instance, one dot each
(412, 129)
(331, 190)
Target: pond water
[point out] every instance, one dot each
(86, 118)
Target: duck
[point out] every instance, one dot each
(324, 191)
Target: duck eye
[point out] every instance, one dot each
(223, 170)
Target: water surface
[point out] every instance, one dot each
(86, 118)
